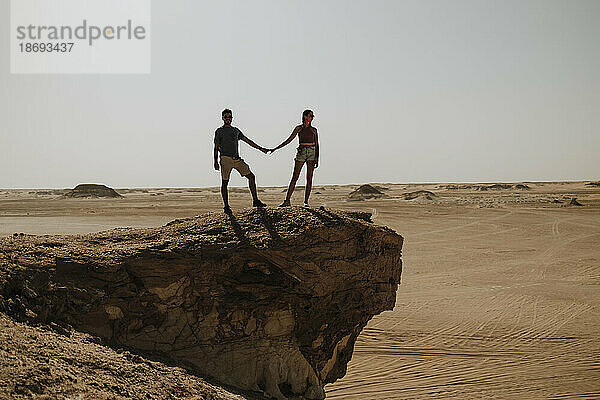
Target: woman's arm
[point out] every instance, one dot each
(317, 147)
(289, 139)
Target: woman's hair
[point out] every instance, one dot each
(305, 114)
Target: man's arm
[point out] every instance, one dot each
(216, 155)
(216, 150)
(252, 144)
(289, 139)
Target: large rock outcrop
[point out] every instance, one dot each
(92, 190)
(268, 301)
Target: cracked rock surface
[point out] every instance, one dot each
(50, 362)
(269, 301)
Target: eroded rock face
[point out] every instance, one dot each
(50, 362)
(265, 300)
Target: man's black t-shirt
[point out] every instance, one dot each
(227, 138)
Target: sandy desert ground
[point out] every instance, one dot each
(500, 290)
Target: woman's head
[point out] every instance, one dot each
(307, 116)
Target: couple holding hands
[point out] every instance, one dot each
(226, 143)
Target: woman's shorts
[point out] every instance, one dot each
(229, 163)
(306, 153)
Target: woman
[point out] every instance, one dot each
(308, 151)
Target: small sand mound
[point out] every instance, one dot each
(56, 192)
(521, 186)
(365, 192)
(367, 189)
(574, 202)
(457, 187)
(381, 188)
(424, 194)
(90, 190)
(500, 186)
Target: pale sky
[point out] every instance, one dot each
(402, 91)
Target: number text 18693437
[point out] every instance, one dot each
(46, 47)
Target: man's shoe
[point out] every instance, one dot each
(227, 210)
(306, 205)
(285, 204)
(259, 204)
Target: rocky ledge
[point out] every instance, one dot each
(268, 301)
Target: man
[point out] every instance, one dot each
(226, 143)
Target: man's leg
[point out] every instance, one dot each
(226, 166)
(252, 185)
(224, 193)
(297, 168)
(310, 168)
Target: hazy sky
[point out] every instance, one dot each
(403, 91)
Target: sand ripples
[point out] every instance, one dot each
(499, 307)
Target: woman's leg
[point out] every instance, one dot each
(297, 168)
(310, 168)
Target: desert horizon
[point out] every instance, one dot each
(242, 185)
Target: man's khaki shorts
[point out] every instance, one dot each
(229, 163)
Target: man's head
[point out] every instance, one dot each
(227, 116)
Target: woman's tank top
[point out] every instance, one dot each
(307, 135)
